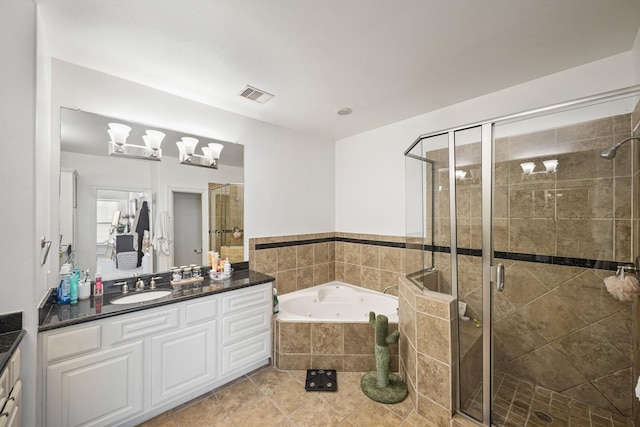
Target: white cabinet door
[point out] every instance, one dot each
(182, 360)
(96, 389)
(237, 356)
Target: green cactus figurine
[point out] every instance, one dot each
(381, 385)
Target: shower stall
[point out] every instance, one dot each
(521, 218)
(226, 220)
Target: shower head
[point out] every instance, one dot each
(610, 152)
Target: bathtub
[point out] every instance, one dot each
(336, 301)
(327, 327)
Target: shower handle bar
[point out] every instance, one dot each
(500, 277)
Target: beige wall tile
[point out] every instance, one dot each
(433, 336)
(432, 412)
(327, 338)
(321, 273)
(320, 253)
(371, 256)
(353, 274)
(340, 271)
(353, 253)
(359, 363)
(339, 251)
(622, 243)
(295, 337)
(371, 279)
(532, 236)
(391, 259)
(266, 261)
(286, 258)
(590, 239)
(295, 362)
(359, 338)
(286, 282)
(434, 380)
(304, 255)
(623, 197)
(304, 277)
(328, 361)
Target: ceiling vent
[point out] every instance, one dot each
(254, 94)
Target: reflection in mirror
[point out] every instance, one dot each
(123, 224)
(98, 185)
(227, 201)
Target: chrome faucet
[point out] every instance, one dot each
(389, 287)
(152, 283)
(125, 287)
(139, 283)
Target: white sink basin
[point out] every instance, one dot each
(141, 297)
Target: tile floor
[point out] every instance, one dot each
(516, 402)
(270, 397)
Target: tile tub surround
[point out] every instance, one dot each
(345, 347)
(298, 262)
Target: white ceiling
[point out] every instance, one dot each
(387, 60)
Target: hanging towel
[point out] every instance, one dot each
(142, 226)
(622, 288)
(638, 389)
(162, 237)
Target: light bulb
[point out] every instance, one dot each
(550, 165)
(216, 149)
(119, 133)
(527, 167)
(189, 145)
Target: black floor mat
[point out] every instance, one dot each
(321, 380)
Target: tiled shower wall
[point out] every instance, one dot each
(555, 325)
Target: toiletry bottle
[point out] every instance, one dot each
(227, 267)
(63, 289)
(276, 304)
(97, 288)
(73, 287)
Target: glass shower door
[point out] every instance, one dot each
(472, 257)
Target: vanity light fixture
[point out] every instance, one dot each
(118, 144)
(550, 166)
(208, 158)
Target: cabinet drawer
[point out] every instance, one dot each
(14, 367)
(239, 326)
(4, 384)
(245, 299)
(73, 342)
(239, 355)
(200, 311)
(141, 326)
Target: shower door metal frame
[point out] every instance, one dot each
(488, 268)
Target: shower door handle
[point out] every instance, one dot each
(500, 277)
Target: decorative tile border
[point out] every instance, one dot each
(515, 256)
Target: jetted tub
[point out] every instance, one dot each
(327, 327)
(336, 302)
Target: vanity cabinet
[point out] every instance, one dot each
(11, 392)
(100, 388)
(128, 368)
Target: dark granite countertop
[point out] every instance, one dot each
(11, 334)
(54, 315)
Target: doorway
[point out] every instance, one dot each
(187, 224)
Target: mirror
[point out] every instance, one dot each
(101, 197)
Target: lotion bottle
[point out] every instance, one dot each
(227, 267)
